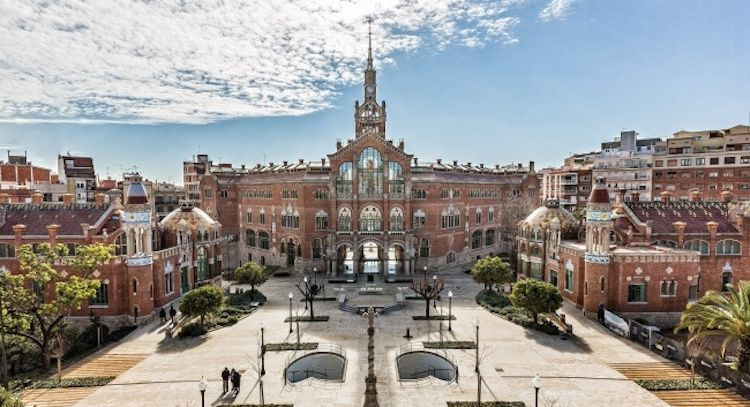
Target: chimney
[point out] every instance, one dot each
(338, 145)
(323, 161)
(666, 196)
(86, 229)
(242, 166)
(99, 199)
(301, 161)
(531, 166)
(416, 161)
(695, 195)
(635, 196)
(726, 196)
(37, 198)
(68, 199)
(497, 166)
(519, 166)
(679, 227)
(401, 145)
(52, 232)
(468, 164)
(481, 166)
(286, 163)
(455, 163)
(439, 160)
(18, 231)
(712, 228)
(4, 198)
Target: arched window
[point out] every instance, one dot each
(476, 239)
(156, 241)
(668, 288)
(370, 219)
(290, 218)
(729, 247)
(537, 234)
(249, 216)
(489, 237)
(536, 251)
(344, 179)
(121, 245)
(344, 223)
(451, 218)
(397, 219)
(395, 178)
(263, 240)
(370, 170)
(491, 215)
(601, 284)
(151, 291)
(450, 258)
(665, 243)
(424, 247)
(250, 238)
(420, 220)
(317, 248)
(321, 220)
(697, 246)
(479, 215)
(134, 284)
(202, 259)
(569, 280)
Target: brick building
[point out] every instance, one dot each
(641, 259)
(369, 208)
(155, 263)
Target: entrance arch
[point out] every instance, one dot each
(371, 259)
(345, 260)
(395, 260)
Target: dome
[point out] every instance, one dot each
(543, 217)
(137, 194)
(190, 217)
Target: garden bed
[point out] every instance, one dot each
(323, 299)
(487, 404)
(679, 384)
(280, 347)
(518, 316)
(53, 383)
(433, 318)
(257, 405)
(450, 345)
(305, 318)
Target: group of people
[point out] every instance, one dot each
(232, 375)
(163, 314)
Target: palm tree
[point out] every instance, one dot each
(722, 314)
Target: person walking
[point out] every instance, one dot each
(600, 314)
(238, 378)
(172, 313)
(233, 377)
(225, 380)
(162, 315)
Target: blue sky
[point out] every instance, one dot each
(537, 88)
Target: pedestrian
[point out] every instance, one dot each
(600, 314)
(162, 315)
(225, 380)
(233, 376)
(238, 377)
(172, 313)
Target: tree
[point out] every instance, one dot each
(428, 290)
(491, 271)
(252, 274)
(309, 292)
(536, 296)
(202, 301)
(38, 311)
(722, 314)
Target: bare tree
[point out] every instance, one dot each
(428, 290)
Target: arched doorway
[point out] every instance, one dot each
(291, 250)
(371, 260)
(345, 260)
(395, 260)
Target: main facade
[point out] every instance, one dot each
(369, 208)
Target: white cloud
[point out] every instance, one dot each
(555, 9)
(200, 61)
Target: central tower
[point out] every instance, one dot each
(369, 117)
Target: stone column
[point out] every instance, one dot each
(371, 389)
(131, 241)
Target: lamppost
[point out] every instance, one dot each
(537, 383)
(305, 280)
(4, 366)
(476, 365)
(262, 350)
(434, 283)
(202, 385)
(450, 303)
(290, 311)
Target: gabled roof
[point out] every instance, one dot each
(662, 215)
(385, 145)
(38, 217)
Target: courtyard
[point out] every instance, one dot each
(574, 372)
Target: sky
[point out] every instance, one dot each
(143, 85)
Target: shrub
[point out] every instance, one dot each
(278, 347)
(537, 297)
(518, 316)
(486, 404)
(306, 318)
(192, 329)
(53, 383)
(119, 333)
(678, 384)
(492, 299)
(433, 318)
(202, 301)
(8, 399)
(244, 299)
(450, 345)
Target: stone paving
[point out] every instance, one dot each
(574, 372)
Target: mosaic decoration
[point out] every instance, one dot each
(140, 261)
(136, 217)
(597, 258)
(598, 216)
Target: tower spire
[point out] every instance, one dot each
(369, 42)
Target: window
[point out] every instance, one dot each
(419, 219)
(553, 277)
(637, 292)
(370, 219)
(72, 248)
(344, 179)
(569, 280)
(121, 245)
(697, 246)
(730, 160)
(207, 193)
(491, 215)
(479, 216)
(700, 161)
(745, 159)
(668, 288)
(168, 282)
(250, 216)
(134, 285)
(397, 219)
(250, 238)
(424, 247)
(102, 295)
(223, 193)
(713, 160)
(726, 279)
(7, 250)
(728, 247)
(685, 162)
(344, 220)
(321, 221)
(476, 239)
(317, 248)
(321, 193)
(263, 238)
(290, 218)
(665, 243)
(693, 293)
(489, 237)
(202, 258)
(289, 194)
(370, 170)
(450, 258)
(451, 218)
(262, 217)
(395, 178)
(419, 193)
(535, 271)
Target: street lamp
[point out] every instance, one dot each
(262, 350)
(450, 303)
(476, 365)
(305, 281)
(290, 311)
(4, 366)
(202, 385)
(434, 284)
(537, 383)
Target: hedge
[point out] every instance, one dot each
(192, 329)
(256, 405)
(53, 383)
(306, 318)
(433, 318)
(487, 404)
(450, 345)
(279, 347)
(678, 384)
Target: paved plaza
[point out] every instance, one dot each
(575, 372)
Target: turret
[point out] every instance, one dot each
(599, 225)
